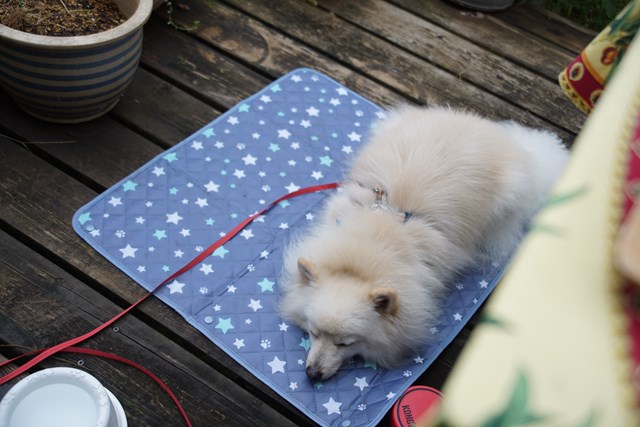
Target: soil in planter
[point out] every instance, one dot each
(60, 17)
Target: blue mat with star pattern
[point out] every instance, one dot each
(299, 131)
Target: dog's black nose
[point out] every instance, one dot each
(314, 373)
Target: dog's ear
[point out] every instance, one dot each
(385, 300)
(307, 270)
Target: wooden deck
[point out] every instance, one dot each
(53, 286)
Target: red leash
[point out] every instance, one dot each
(69, 346)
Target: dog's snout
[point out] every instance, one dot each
(314, 374)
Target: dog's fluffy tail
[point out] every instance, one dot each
(547, 151)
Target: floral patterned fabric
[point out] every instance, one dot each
(560, 343)
(583, 80)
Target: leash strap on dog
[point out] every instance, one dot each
(72, 343)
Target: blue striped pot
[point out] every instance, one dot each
(73, 79)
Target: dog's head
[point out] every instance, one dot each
(345, 316)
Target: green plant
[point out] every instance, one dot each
(594, 14)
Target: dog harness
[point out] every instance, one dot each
(381, 203)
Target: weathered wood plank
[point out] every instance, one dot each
(271, 52)
(42, 305)
(160, 111)
(468, 61)
(494, 34)
(548, 26)
(412, 76)
(195, 67)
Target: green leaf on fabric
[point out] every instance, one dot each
(487, 319)
(517, 411)
(558, 199)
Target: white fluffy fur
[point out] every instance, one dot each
(364, 282)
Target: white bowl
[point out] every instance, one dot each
(61, 397)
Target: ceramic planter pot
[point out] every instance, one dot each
(73, 79)
(485, 5)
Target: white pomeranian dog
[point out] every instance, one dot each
(432, 192)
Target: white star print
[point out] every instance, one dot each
(218, 145)
(249, 159)
(231, 289)
(277, 365)
(247, 233)
(255, 305)
(332, 406)
(265, 98)
(457, 317)
(140, 220)
(115, 201)
(483, 284)
(390, 395)
(283, 327)
(175, 287)
(354, 136)
(239, 343)
(296, 78)
(292, 187)
(233, 120)
(283, 133)
(212, 186)
(305, 123)
(206, 269)
(347, 149)
(178, 253)
(293, 385)
(316, 175)
(361, 383)
(312, 111)
(185, 232)
(128, 251)
(342, 91)
(197, 145)
(239, 173)
(419, 359)
(334, 101)
(157, 171)
(202, 202)
(174, 218)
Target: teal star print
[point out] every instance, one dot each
(173, 191)
(284, 203)
(220, 252)
(129, 186)
(305, 343)
(274, 147)
(171, 157)
(275, 88)
(84, 218)
(209, 221)
(244, 108)
(224, 324)
(372, 365)
(160, 234)
(208, 133)
(326, 160)
(266, 285)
